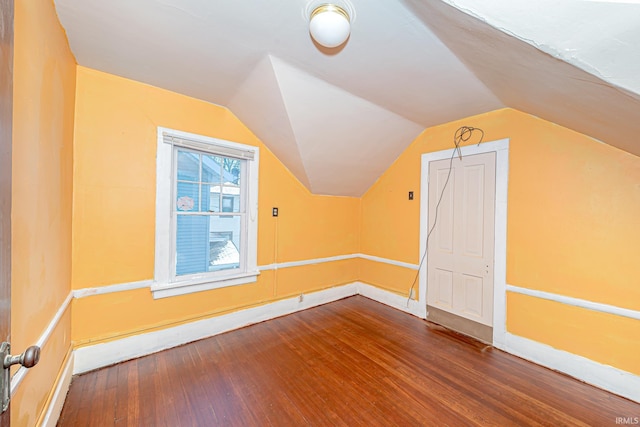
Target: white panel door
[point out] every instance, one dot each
(460, 248)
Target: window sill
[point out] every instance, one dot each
(201, 284)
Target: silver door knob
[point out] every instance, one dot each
(28, 359)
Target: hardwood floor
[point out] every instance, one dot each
(353, 362)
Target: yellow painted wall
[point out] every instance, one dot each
(387, 276)
(43, 115)
(603, 337)
(114, 212)
(573, 212)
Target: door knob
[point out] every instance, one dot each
(28, 359)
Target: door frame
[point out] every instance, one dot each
(6, 135)
(501, 148)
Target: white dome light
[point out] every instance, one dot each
(329, 25)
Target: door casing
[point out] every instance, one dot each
(6, 135)
(501, 148)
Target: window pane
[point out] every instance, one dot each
(211, 197)
(230, 199)
(207, 243)
(211, 168)
(224, 242)
(192, 244)
(187, 198)
(188, 166)
(231, 171)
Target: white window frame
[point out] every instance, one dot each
(166, 283)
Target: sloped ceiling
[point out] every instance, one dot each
(338, 118)
(534, 77)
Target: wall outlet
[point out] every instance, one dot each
(410, 195)
(274, 212)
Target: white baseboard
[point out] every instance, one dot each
(606, 377)
(105, 354)
(51, 416)
(392, 300)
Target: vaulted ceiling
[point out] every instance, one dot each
(337, 118)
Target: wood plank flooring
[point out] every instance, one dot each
(353, 362)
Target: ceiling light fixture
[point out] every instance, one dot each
(329, 25)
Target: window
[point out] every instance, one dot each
(206, 213)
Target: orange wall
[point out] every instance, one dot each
(603, 337)
(574, 207)
(572, 228)
(44, 96)
(114, 212)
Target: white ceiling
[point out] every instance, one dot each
(338, 119)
